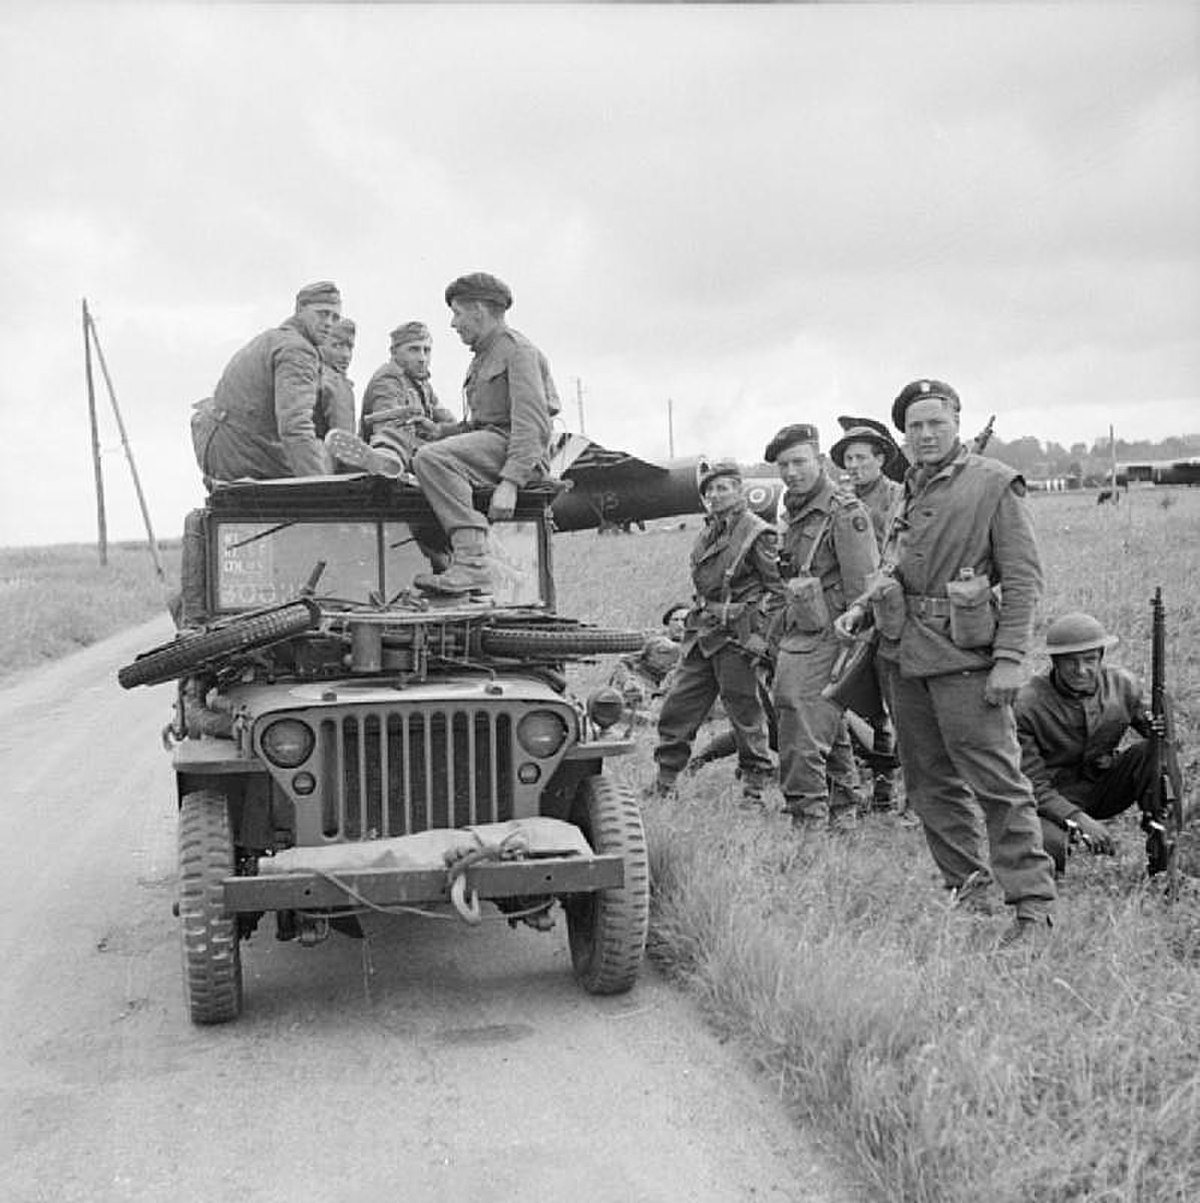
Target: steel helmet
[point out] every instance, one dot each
(1076, 633)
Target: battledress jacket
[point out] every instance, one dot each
(882, 498)
(392, 388)
(335, 402)
(724, 611)
(269, 391)
(508, 387)
(1067, 740)
(968, 512)
(845, 554)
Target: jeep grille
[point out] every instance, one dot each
(391, 771)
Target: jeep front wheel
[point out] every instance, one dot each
(212, 963)
(607, 929)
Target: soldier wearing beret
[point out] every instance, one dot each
(955, 619)
(335, 397)
(828, 552)
(260, 421)
(400, 410)
(735, 573)
(503, 441)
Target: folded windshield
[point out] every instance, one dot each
(264, 563)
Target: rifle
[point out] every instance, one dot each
(1162, 809)
(980, 441)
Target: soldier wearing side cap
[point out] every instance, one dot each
(735, 573)
(955, 620)
(259, 422)
(397, 401)
(335, 396)
(503, 441)
(1070, 720)
(828, 553)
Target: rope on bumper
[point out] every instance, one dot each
(514, 846)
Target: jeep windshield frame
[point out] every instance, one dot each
(264, 538)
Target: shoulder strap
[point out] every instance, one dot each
(752, 527)
(806, 568)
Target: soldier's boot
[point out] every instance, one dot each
(468, 571)
(349, 449)
(753, 787)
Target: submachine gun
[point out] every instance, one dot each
(1162, 810)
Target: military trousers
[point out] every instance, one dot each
(226, 452)
(816, 763)
(699, 680)
(449, 469)
(962, 772)
(1128, 779)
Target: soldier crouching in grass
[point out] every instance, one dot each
(1070, 721)
(952, 647)
(735, 572)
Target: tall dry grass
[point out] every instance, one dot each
(55, 600)
(944, 1069)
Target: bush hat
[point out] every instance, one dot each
(883, 443)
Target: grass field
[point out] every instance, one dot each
(55, 600)
(937, 1069)
(941, 1070)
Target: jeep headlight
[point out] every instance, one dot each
(541, 733)
(288, 742)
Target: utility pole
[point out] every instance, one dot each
(90, 328)
(101, 524)
(1112, 451)
(670, 429)
(579, 403)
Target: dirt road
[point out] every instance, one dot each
(430, 1062)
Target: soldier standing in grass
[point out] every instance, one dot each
(1070, 721)
(259, 421)
(735, 572)
(955, 621)
(828, 552)
(868, 455)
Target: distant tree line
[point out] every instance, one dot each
(1090, 465)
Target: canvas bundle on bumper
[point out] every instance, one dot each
(343, 745)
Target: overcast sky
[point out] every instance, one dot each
(768, 214)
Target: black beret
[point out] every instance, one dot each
(789, 436)
(479, 286)
(919, 390)
(709, 471)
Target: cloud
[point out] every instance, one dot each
(763, 212)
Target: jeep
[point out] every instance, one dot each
(342, 744)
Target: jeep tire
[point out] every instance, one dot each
(521, 643)
(212, 963)
(188, 653)
(607, 928)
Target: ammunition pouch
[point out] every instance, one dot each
(973, 617)
(807, 609)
